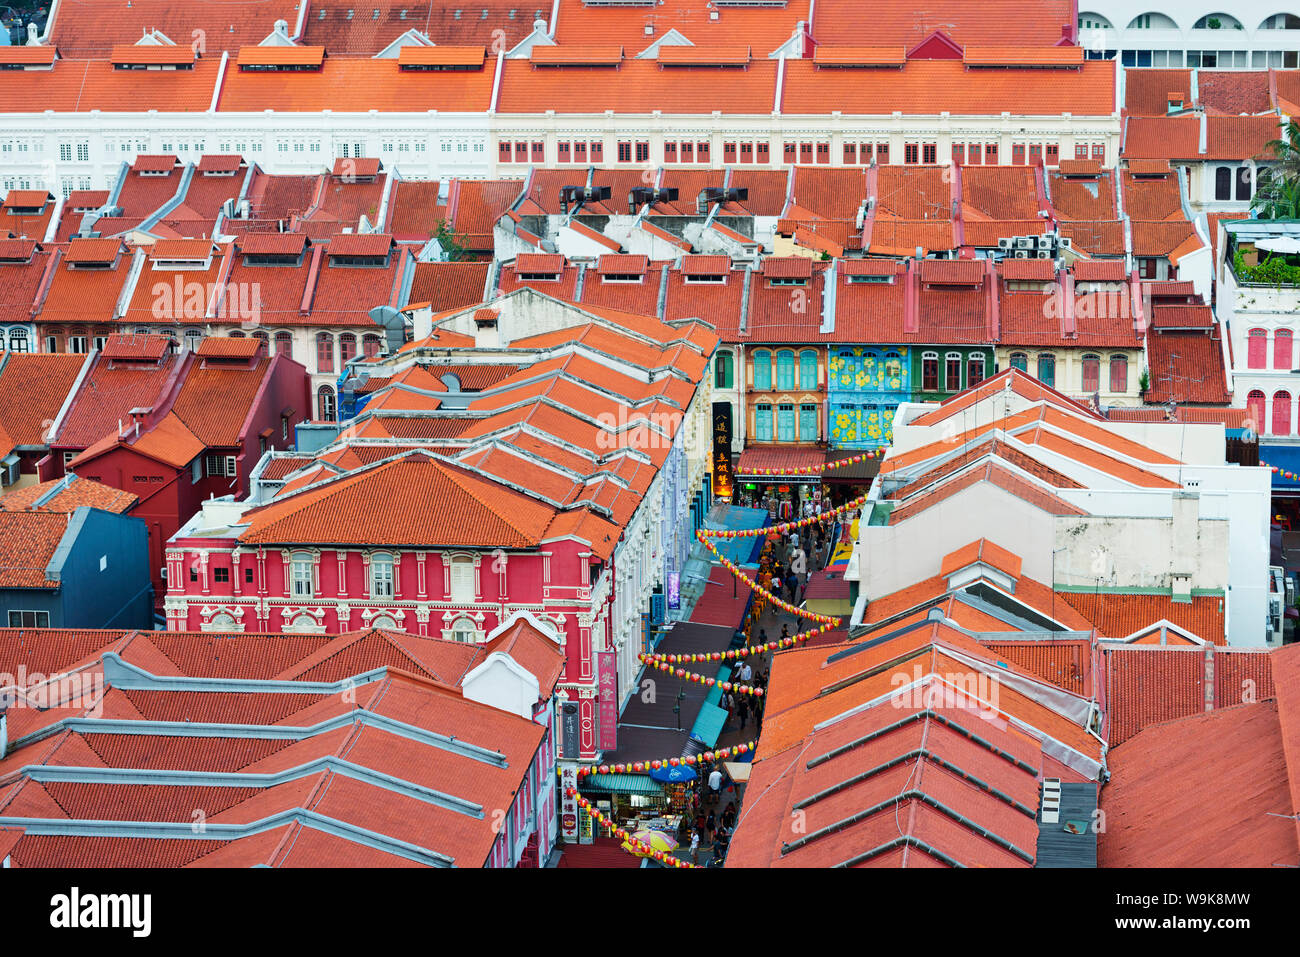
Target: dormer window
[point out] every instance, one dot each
(372, 262)
(273, 259)
(704, 279)
(855, 280)
(787, 281)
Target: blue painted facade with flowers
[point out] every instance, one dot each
(866, 384)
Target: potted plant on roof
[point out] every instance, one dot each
(1144, 382)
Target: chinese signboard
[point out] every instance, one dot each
(568, 805)
(674, 590)
(570, 730)
(723, 480)
(607, 685)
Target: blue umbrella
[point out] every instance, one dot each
(679, 773)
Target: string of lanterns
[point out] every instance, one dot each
(1289, 476)
(663, 857)
(666, 662)
(818, 469)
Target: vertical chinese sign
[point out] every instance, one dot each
(723, 480)
(607, 686)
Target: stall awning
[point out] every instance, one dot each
(780, 463)
(858, 473)
(1287, 459)
(620, 784)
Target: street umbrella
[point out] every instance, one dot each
(677, 774)
(656, 839)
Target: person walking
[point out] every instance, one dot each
(715, 785)
(729, 817)
(792, 585)
(742, 709)
(711, 825)
(746, 672)
(695, 847)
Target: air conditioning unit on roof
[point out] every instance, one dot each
(1005, 244)
(1025, 242)
(1066, 242)
(1044, 254)
(1022, 253)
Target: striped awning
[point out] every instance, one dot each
(620, 784)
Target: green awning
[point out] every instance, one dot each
(620, 784)
(708, 726)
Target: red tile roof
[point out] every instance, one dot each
(1117, 616)
(67, 495)
(1209, 790)
(1039, 24)
(446, 286)
(28, 541)
(79, 86)
(1187, 367)
(1146, 92)
(981, 551)
(106, 397)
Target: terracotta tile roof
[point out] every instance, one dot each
(466, 56)
(1187, 367)
(981, 551)
(1099, 270)
(1179, 137)
(787, 267)
(1151, 200)
(1096, 238)
(1233, 92)
(133, 347)
(487, 22)
(68, 497)
(1193, 793)
(446, 286)
(216, 399)
(997, 22)
(228, 347)
(33, 387)
(1065, 663)
(106, 398)
(1146, 91)
(1161, 239)
(995, 474)
(1080, 199)
(20, 281)
(999, 192)
(79, 86)
(763, 28)
(1027, 270)
(1118, 615)
(475, 206)
(959, 272)
(933, 86)
(43, 55)
(472, 511)
(356, 85)
(28, 541)
(636, 86)
(92, 29)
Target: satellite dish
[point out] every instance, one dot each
(394, 325)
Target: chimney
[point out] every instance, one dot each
(486, 333)
(422, 324)
(282, 28)
(1186, 522)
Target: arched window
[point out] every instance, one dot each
(193, 339)
(222, 621)
(236, 334)
(1217, 21)
(324, 352)
(1223, 183)
(807, 369)
(383, 621)
(463, 629)
(347, 347)
(1152, 21)
(304, 623)
(370, 345)
(284, 344)
(1047, 369)
(1091, 373)
(265, 339)
(893, 365)
(1281, 21)
(785, 369)
(301, 575)
(1020, 360)
(722, 371)
(1257, 349)
(1119, 373)
(763, 371)
(18, 339)
(974, 369)
(325, 408)
(381, 576)
(1094, 21)
(1255, 407)
(1282, 413)
(930, 372)
(952, 372)
(462, 581)
(1282, 350)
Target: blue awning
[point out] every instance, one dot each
(620, 784)
(708, 726)
(1286, 458)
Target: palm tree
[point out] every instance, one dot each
(1277, 194)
